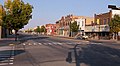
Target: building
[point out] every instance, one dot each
(57, 27)
(82, 21)
(51, 29)
(63, 27)
(100, 27)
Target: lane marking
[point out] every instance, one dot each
(40, 43)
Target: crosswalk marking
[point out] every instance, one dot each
(56, 43)
(40, 44)
(29, 44)
(24, 44)
(7, 59)
(5, 64)
(35, 44)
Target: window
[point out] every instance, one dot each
(101, 22)
(108, 20)
(82, 23)
(105, 21)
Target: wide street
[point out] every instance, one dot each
(53, 51)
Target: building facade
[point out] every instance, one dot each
(51, 29)
(63, 27)
(100, 27)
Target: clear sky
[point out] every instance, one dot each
(49, 11)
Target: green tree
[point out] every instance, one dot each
(115, 25)
(1, 10)
(17, 15)
(38, 30)
(2, 13)
(43, 29)
(74, 27)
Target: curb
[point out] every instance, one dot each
(100, 41)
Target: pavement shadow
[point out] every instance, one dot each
(6, 42)
(7, 54)
(34, 38)
(98, 55)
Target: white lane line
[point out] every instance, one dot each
(24, 44)
(11, 63)
(29, 44)
(96, 43)
(59, 43)
(40, 43)
(55, 43)
(34, 44)
(11, 60)
(5, 64)
(49, 43)
(69, 43)
(45, 44)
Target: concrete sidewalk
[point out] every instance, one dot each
(104, 41)
(6, 41)
(91, 40)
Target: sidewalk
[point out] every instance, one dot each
(104, 41)
(92, 40)
(73, 39)
(7, 41)
(7, 51)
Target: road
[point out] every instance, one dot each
(53, 51)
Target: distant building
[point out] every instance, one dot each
(100, 27)
(51, 29)
(63, 27)
(57, 27)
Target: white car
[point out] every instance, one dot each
(85, 37)
(82, 37)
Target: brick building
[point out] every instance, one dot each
(63, 27)
(51, 29)
(100, 27)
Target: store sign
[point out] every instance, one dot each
(97, 28)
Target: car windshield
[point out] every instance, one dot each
(59, 33)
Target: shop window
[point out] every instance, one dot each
(108, 20)
(105, 21)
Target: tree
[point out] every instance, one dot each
(17, 15)
(43, 29)
(115, 25)
(74, 27)
(2, 13)
(38, 30)
(1, 10)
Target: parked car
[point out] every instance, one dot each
(82, 37)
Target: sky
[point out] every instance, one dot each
(49, 11)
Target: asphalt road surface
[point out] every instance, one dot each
(53, 51)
